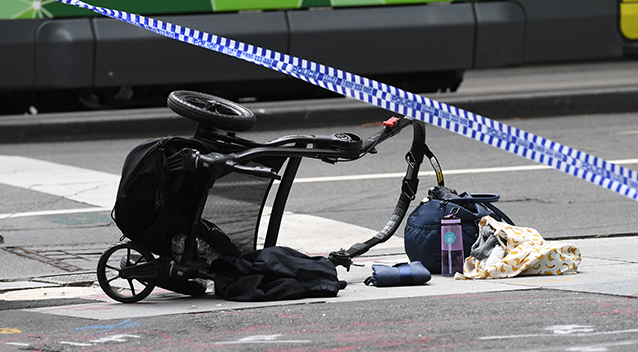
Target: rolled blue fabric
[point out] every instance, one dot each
(399, 275)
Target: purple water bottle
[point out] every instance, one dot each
(451, 245)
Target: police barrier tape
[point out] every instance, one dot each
(582, 165)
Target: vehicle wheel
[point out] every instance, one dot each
(211, 111)
(116, 283)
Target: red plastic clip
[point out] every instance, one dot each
(391, 121)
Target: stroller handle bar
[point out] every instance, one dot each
(332, 149)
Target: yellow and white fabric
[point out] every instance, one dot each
(522, 251)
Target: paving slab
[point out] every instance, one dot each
(23, 285)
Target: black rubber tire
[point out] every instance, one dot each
(124, 254)
(211, 111)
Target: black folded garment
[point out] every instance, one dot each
(275, 273)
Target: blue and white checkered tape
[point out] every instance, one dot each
(582, 165)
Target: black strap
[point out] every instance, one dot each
(435, 165)
(484, 199)
(476, 198)
(414, 158)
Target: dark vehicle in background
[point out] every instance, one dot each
(57, 57)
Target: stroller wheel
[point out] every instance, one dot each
(130, 260)
(211, 111)
(126, 272)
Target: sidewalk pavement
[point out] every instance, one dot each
(608, 267)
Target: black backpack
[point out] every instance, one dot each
(153, 204)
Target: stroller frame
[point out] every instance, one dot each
(128, 272)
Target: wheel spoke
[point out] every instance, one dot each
(199, 102)
(132, 286)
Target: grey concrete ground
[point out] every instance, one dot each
(601, 257)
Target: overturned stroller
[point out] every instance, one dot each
(188, 206)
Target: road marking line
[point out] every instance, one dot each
(598, 333)
(98, 188)
(445, 172)
(53, 212)
(257, 339)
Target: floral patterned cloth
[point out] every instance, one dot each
(521, 251)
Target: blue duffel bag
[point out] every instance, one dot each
(422, 237)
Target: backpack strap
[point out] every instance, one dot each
(486, 199)
(414, 158)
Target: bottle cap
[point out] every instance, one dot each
(453, 213)
(451, 218)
